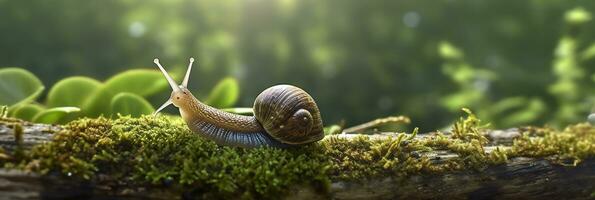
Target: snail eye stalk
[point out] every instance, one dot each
(171, 81)
(187, 77)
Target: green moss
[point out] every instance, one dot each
(467, 140)
(569, 146)
(18, 139)
(162, 151)
(3, 111)
(18, 134)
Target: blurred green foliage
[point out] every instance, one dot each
(130, 104)
(27, 111)
(571, 92)
(54, 115)
(513, 62)
(122, 94)
(224, 94)
(18, 86)
(141, 82)
(72, 91)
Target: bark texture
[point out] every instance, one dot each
(519, 178)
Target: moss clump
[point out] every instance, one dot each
(568, 147)
(467, 140)
(162, 151)
(362, 157)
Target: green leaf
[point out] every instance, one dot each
(18, 86)
(241, 111)
(130, 104)
(72, 91)
(141, 82)
(54, 115)
(27, 111)
(224, 94)
(98, 103)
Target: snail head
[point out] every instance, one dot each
(180, 95)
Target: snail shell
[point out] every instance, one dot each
(289, 115)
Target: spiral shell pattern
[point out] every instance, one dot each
(289, 115)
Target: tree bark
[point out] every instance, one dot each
(519, 178)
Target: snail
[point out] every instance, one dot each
(284, 116)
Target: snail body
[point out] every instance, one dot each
(284, 116)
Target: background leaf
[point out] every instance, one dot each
(130, 104)
(140, 82)
(27, 111)
(18, 86)
(224, 94)
(386, 62)
(98, 103)
(72, 91)
(54, 115)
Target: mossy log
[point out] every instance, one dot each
(515, 178)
